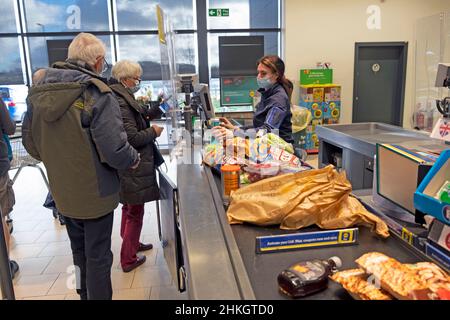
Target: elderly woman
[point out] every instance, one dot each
(137, 186)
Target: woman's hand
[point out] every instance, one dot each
(226, 123)
(222, 133)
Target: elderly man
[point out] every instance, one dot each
(74, 125)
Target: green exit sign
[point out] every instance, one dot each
(219, 12)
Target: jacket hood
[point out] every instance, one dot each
(54, 99)
(61, 87)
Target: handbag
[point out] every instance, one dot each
(8, 144)
(158, 159)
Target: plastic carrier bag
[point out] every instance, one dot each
(298, 200)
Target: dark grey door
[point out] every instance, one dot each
(379, 82)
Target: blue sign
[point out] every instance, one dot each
(439, 255)
(306, 240)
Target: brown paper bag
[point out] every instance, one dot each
(302, 199)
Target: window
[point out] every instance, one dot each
(39, 55)
(66, 15)
(141, 14)
(10, 63)
(186, 53)
(245, 14)
(143, 49)
(270, 47)
(129, 30)
(8, 17)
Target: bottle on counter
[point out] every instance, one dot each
(230, 180)
(307, 277)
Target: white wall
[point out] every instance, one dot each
(327, 30)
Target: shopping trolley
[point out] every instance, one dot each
(22, 159)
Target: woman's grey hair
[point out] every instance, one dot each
(124, 69)
(86, 47)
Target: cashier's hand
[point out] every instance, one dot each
(158, 129)
(226, 123)
(222, 133)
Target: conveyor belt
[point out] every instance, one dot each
(263, 269)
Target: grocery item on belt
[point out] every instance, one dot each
(259, 171)
(436, 279)
(307, 277)
(280, 155)
(356, 284)
(419, 281)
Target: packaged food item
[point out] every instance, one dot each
(356, 284)
(245, 178)
(230, 180)
(280, 155)
(259, 171)
(435, 279)
(288, 168)
(307, 277)
(444, 192)
(272, 140)
(420, 281)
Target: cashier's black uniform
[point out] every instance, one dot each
(273, 113)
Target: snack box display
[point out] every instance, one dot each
(428, 197)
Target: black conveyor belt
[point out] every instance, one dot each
(263, 269)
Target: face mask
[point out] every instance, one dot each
(264, 83)
(134, 89)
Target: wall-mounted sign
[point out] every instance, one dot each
(374, 19)
(219, 12)
(73, 22)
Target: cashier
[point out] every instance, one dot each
(273, 112)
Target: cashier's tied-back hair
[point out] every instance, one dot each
(276, 65)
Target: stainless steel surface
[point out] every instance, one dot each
(357, 145)
(363, 137)
(242, 277)
(210, 273)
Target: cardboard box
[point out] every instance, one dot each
(331, 110)
(399, 172)
(332, 93)
(311, 93)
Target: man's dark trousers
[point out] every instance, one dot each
(90, 240)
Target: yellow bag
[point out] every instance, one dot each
(298, 200)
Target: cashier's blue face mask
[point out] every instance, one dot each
(264, 83)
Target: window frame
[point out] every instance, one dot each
(201, 33)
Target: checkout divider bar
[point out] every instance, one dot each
(242, 279)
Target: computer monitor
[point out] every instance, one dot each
(201, 92)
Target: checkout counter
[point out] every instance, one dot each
(211, 259)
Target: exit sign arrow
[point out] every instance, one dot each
(219, 12)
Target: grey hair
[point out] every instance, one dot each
(86, 47)
(124, 69)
